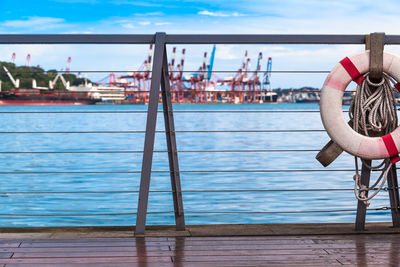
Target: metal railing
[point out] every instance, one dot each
(160, 79)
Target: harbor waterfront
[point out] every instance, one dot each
(199, 133)
(105, 166)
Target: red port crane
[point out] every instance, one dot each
(67, 69)
(28, 59)
(13, 58)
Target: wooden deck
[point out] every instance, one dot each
(42, 248)
(329, 250)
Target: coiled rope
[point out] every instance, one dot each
(373, 113)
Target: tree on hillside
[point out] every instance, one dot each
(27, 74)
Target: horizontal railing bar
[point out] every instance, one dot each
(190, 39)
(80, 214)
(265, 190)
(76, 192)
(246, 151)
(199, 131)
(250, 71)
(195, 171)
(69, 112)
(183, 191)
(278, 212)
(160, 151)
(76, 152)
(76, 38)
(71, 132)
(247, 111)
(253, 131)
(271, 39)
(169, 71)
(268, 171)
(76, 172)
(176, 111)
(192, 212)
(222, 91)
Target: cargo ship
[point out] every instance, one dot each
(46, 95)
(39, 97)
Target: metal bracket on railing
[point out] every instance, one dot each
(159, 79)
(376, 43)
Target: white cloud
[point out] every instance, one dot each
(219, 14)
(162, 23)
(92, 2)
(226, 52)
(148, 14)
(45, 22)
(128, 26)
(136, 3)
(144, 23)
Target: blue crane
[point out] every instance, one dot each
(210, 66)
(259, 62)
(267, 73)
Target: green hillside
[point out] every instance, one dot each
(26, 74)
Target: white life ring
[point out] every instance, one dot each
(352, 68)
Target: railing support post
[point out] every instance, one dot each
(394, 196)
(159, 79)
(150, 133)
(171, 145)
(375, 45)
(365, 173)
(361, 207)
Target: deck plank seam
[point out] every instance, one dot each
(341, 263)
(326, 251)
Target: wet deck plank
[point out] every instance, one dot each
(313, 250)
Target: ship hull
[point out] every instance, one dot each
(42, 102)
(307, 101)
(40, 99)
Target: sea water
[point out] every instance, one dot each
(119, 208)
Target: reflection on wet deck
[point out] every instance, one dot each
(298, 250)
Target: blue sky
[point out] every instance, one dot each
(191, 16)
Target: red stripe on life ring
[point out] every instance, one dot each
(397, 86)
(352, 70)
(391, 148)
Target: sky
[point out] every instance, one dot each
(196, 17)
